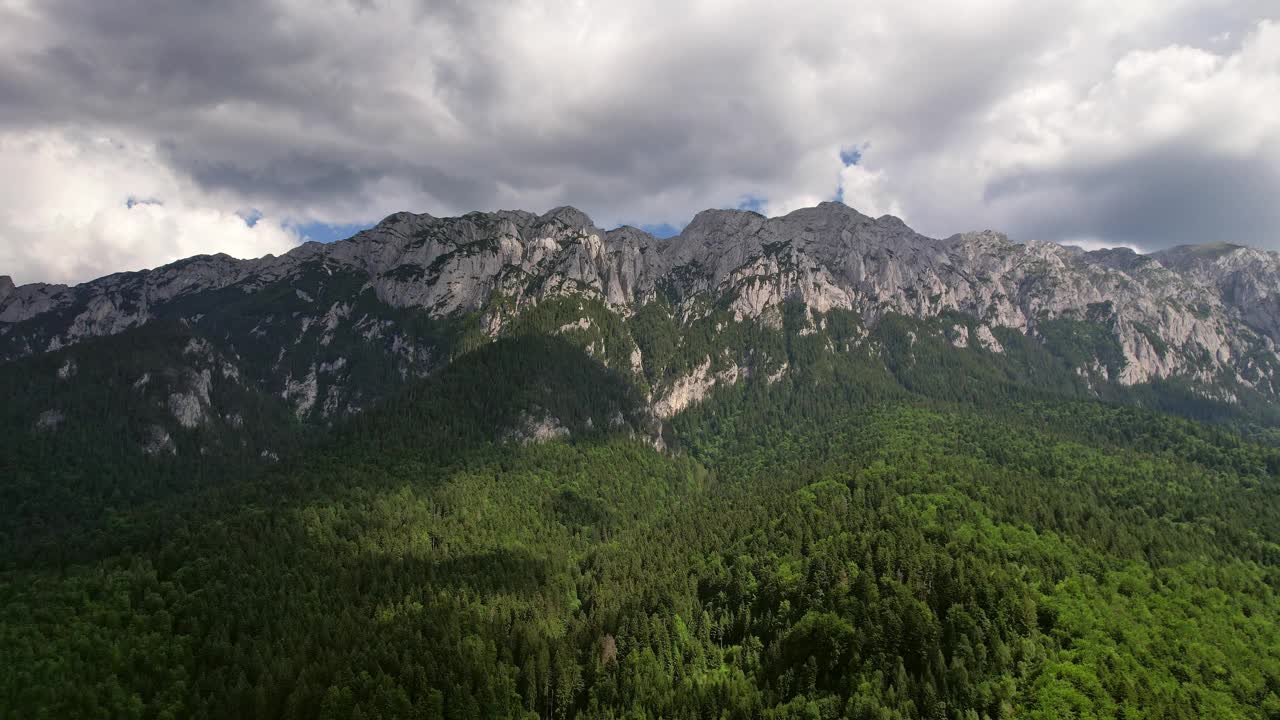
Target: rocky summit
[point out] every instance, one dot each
(512, 465)
(400, 299)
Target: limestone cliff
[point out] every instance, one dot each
(1207, 313)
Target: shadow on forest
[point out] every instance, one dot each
(497, 571)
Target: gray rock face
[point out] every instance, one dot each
(302, 392)
(190, 407)
(537, 429)
(1204, 312)
(49, 420)
(692, 388)
(158, 441)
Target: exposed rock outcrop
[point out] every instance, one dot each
(157, 441)
(190, 407)
(691, 388)
(988, 340)
(50, 420)
(1205, 312)
(537, 429)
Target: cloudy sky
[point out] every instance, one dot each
(135, 132)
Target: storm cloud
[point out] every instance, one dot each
(1147, 123)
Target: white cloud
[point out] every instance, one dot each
(1176, 144)
(74, 207)
(1090, 244)
(868, 190)
(1147, 122)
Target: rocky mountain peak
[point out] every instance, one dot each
(1121, 258)
(720, 220)
(568, 216)
(981, 237)
(402, 218)
(1183, 257)
(832, 209)
(829, 212)
(1199, 312)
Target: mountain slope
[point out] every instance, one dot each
(876, 559)
(109, 445)
(508, 465)
(93, 430)
(412, 291)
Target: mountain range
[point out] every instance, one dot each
(328, 329)
(513, 465)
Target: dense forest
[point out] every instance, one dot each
(920, 539)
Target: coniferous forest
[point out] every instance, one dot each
(661, 360)
(847, 542)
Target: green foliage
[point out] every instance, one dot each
(73, 424)
(1157, 343)
(276, 332)
(586, 323)
(670, 349)
(895, 528)
(1081, 343)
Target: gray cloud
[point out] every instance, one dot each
(1026, 116)
(1170, 194)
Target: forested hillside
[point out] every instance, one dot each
(517, 536)
(661, 360)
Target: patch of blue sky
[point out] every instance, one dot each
(327, 232)
(133, 201)
(312, 231)
(661, 230)
(850, 156)
(754, 203)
